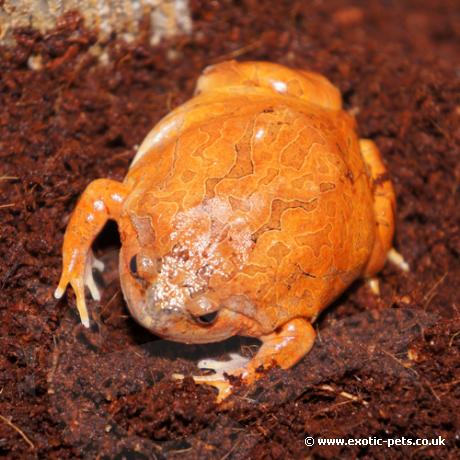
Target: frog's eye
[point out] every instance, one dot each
(144, 266)
(133, 265)
(206, 320)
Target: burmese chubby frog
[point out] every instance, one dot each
(246, 211)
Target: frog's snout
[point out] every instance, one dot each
(175, 315)
(172, 295)
(191, 301)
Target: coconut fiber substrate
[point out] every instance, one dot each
(383, 367)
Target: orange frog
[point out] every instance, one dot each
(246, 211)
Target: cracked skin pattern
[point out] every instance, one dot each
(247, 211)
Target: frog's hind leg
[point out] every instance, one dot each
(277, 79)
(384, 209)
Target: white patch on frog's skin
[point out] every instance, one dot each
(167, 293)
(279, 86)
(219, 210)
(204, 305)
(202, 256)
(156, 137)
(117, 197)
(260, 133)
(241, 241)
(99, 205)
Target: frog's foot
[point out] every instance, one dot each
(397, 259)
(284, 347)
(234, 367)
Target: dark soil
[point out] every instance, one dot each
(383, 367)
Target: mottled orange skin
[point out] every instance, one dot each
(255, 199)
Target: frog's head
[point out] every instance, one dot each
(183, 294)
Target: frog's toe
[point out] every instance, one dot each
(236, 361)
(80, 300)
(91, 284)
(98, 264)
(397, 259)
(93, 289)
(224, 387)
(218, 381)
(235, 367)
(93, 263)
(374, 285)
(78, 285)
(59, 292)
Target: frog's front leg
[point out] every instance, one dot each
(284, 347)
(102, 200)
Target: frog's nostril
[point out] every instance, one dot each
(206, 320)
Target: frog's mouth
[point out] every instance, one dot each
(186, 328)
(179, 325)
